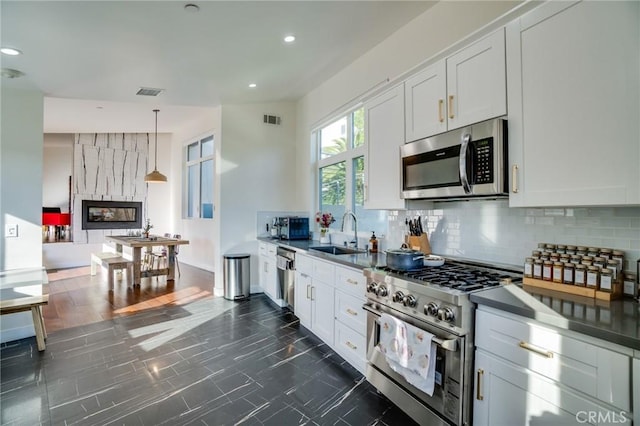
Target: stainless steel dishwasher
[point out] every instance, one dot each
(286, 274)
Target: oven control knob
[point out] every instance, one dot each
(446, 314)
(431, 309)
(382, 291)
(398, 296)
(409, 301)
(371, 287)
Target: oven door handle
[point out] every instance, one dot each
(449, 345)
(464, 179)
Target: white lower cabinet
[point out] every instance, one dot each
(351, 329)
(314, 297)
(268, 273)
(529, 373)
(506, 394)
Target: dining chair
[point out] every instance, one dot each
(176, 249)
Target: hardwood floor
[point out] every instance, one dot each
(76, 298)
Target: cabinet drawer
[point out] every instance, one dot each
(598, 372)
(351, 346)
(350, 280)
(271, 250)
(349, 311)
(304, 264)
(262, 249)
(323, 271)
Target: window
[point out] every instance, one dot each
(199, 156)
(341, 165)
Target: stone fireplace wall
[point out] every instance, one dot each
(107, 167)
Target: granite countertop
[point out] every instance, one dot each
(615, 321)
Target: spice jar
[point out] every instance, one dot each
(565, 258)
(586, 263)
(542, 246)
(593, 251)
(561, 249)
(568, 273)
(373, 243)
(600, 262)
(528, 267)
(537, 269)
(576, 259)
(593, 277)
(571, 250)
(606, 253)
(536, 253)
(580, 277)
(618, 256)
(630, 287)
(558, 269)
(614, 265)
(547, 270)
(587, 258)
(581, 250)
(606, 280)
(550, 248)
(554, 257)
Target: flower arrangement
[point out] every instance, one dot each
(324, 220)
(147, 228)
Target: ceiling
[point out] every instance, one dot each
(90, 58)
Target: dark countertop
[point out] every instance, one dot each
(615, 321)
(360, 261)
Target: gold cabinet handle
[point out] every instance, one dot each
(351, 345)
(514, 179)
(440, 105)
(352, 312)
(451, 115)
(530, 347)
(479, 376)
(308, 289)
(350, 281)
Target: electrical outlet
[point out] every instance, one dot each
(11, 230)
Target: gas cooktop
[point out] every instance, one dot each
(458, 276)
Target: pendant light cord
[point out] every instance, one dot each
(156, 156)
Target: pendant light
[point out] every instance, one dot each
(155, 176)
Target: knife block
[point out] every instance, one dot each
(420, 243)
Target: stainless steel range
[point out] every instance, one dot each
(434, 299)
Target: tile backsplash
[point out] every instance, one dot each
(490, 231)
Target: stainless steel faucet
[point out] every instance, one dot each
(355, 226)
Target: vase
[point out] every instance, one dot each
(324, 236)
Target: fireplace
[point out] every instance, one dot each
(111, 214)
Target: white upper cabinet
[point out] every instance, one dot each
(574, 105)
(463, 89)
(384, 134)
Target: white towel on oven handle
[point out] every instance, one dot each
(409, 351)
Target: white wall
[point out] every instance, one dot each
(57, 168)
(20, 192)
(256, 172)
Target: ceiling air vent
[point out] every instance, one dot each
(271, 119)
(149, 91)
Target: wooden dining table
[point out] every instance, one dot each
(137, 243)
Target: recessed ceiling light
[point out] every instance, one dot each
(252, 85)
(290, 39)
(10, 51)
(192, 8)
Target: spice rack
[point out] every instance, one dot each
(577, 290)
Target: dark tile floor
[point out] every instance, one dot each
(211, 362)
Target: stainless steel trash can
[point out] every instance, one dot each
(237, 276)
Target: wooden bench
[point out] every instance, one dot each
(33, 304)
(112, 262)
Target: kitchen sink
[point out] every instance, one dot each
(336, 250)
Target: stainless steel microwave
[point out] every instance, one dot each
(464, 163)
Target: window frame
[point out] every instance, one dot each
(205, 137)
(348, 157)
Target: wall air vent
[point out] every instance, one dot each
(149, 91)
(271, 119)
